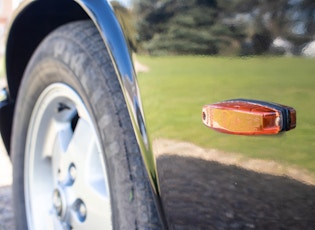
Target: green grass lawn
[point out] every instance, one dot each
(176, 88)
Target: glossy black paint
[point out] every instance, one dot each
(198, 191)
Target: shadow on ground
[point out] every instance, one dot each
(199, 194)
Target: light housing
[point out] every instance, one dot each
(249, 117)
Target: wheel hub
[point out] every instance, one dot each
(63, 201)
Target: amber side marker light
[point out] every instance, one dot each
(249, 117)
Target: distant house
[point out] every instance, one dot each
(281, 46)
(309, 49)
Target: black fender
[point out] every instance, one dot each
(34, 20)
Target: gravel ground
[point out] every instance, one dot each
(6, 212)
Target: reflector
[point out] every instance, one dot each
(248, 117)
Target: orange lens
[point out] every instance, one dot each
(245, 117)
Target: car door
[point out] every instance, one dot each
(228, 90)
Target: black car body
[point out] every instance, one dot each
(209, 189)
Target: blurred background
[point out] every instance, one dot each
(6, 9)
(240, 27)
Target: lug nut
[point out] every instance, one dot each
(72, 172)
(57, 202)
(81, 210)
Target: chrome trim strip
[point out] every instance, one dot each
(101, 12)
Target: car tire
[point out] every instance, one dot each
(76, 161)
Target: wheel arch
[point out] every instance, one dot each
(31, 23)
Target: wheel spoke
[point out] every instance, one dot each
(90, 183)
(81, 142)
(61, 143)
(48, 141)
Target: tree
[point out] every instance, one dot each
(216, 26)
(179, 27)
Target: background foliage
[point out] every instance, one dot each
(208, 27)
